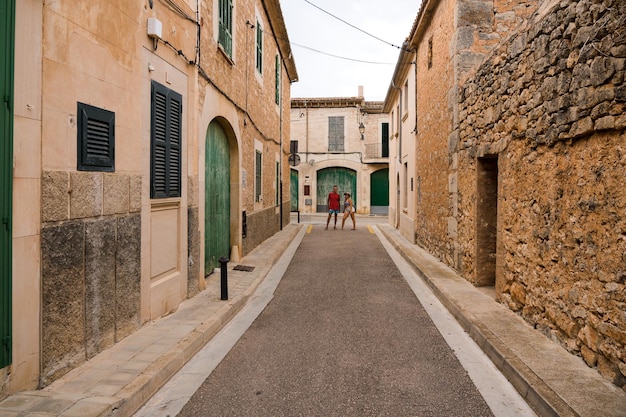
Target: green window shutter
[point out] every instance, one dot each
(335, 133)
(165, 140)
(259, 47)
(225, 36)
(385, 140)
(258, 180)
(277, 201)
(277, 93)
(96, 139)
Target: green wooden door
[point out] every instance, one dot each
(379, 192)
(294, 190)
(343, 178)
(7, 24)
(217, 198)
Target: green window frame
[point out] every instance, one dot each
(7, 36)
(277, 199)
(258, 179)
(165, 142)
(335, 133)
(96, 139)
(277, 92)
(225, 36)
(259, 47)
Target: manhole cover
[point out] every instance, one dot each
(243, 268)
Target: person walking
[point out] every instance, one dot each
(348, 210)
(333, 205)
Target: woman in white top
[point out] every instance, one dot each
(348, 210)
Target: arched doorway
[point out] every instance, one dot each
(343, 178)
(216, 197)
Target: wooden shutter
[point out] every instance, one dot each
(165, 139)
(259, 47)
(258, 179)
(225, 36)
(335, 133)
(96, 139)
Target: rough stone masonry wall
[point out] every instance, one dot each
(90, 268)
(550, 104)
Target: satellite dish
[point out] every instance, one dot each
(294, 160)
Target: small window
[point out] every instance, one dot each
(277, 201)
(96, 139)
(277, 92)
(259, 47)
(258, 180)
(225, 37)
(293, 146)
(430, 53)
(165, 141)
(335, 133)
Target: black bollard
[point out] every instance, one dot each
(224, 277)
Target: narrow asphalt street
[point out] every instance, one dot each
(343, 336)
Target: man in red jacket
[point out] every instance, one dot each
(333, 202)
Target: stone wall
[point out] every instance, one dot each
(90, 267)
(548, 104)
(261, 225)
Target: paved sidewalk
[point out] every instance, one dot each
(119, 380)
(551, 380)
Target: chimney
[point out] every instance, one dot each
(360, 91)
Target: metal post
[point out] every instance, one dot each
(224, 277)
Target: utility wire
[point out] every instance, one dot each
(351, 25)
(342, 57)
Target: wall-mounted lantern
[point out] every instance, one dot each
(362, 130)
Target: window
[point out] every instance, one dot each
(406, 97)
(277, 92)
(385, 140)
(165, 142)
(335, 133)
(225, 37)
(96, 139)
(258, 180)
(277, 183)
(259, 47)
(430, 53)
(293, 147)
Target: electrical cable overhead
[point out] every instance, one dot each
(352, 26)
(342, 57)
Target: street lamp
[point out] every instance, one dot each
(361, 130)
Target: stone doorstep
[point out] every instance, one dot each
(550, 392)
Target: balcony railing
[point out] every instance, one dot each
(376, 150)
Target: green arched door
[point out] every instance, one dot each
(343, 178)
(217, 197)
(379, 192)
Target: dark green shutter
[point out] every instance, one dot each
(259, 48)
(225, 36)
(277, 93)
(7, 27)
(258, 179)
(385, 140)
(165, 139)
(294, 189)
(96, 139)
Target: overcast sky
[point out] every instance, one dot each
(321, 75)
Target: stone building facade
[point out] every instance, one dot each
(541, 166)
(112, 108)
(516, 142)
(339, 141)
